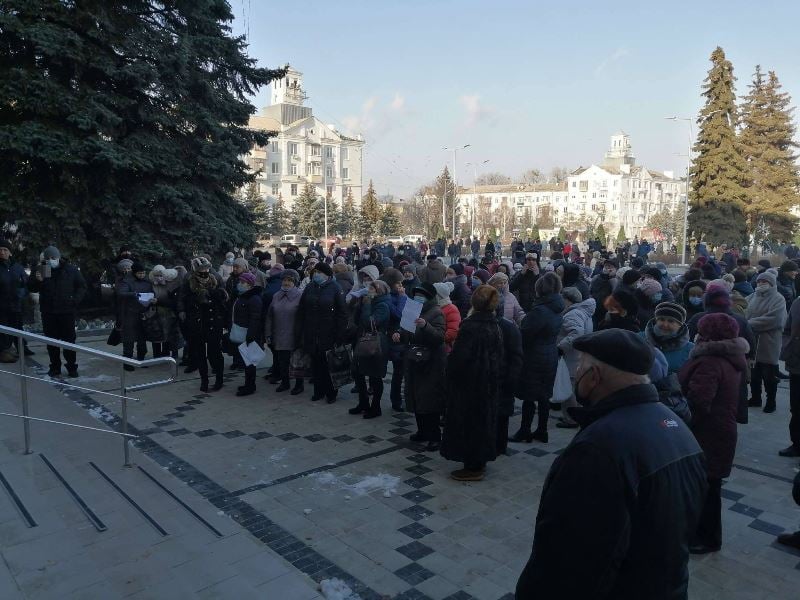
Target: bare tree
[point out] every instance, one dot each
(532, 176)
(558, 174)
(493, 179)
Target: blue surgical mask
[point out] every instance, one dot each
(657, 297)
(54, 263)
(695, 300)
(419, 298)
(242, 287)
(228, 261)
(319, 278)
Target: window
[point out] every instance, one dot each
(330, 190)
(293, 148)
(329, 172)
(313, 169)
(594, 194)
(275, 188)
(294, 189)
(276, 168)
(573, 184)
(328, 151)
(345, 173)
(315, 150)
(345, 153)
(293, 169)
(584, 186)
(273, 146)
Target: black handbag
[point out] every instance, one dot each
(368, 345)
(418, 354)
(115, 337)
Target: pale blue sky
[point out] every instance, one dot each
(527, 84)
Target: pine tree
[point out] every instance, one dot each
(562, 234)
(370, 213)
(256, 209)
(390, 223)
(600, 233)
(310, 212)
(279, 221)
(125, 123)
(767, 142)
(719, 172)
(621, 237)
(349, 215)
(535, 234)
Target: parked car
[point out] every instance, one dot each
(294, 239)
(413, 239)
(395, 239)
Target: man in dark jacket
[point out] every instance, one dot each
(624, 497)
(13, 287)
(786, 286)
(61, 288)
(602, 286)
(512, 366)
(523, 284)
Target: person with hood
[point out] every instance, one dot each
(280, 329)
(648, 295)
(602, 285)
(425, 360)
(766, 313)
(132, 309)
(226, 268)
(470, 426)
(452, 317)
(710, 381)
(539, 330)
(433, 272)
(692, 298)
(622, 499)
(508, 301)
(13, 288)
(523, 284)
(621, 311)
(322, 322)
(572, 277)
(372, 315)
(166, 286)
(247, 317)
(461, 292)
(668, 332)
(203, 306)
(344, 277)
(576, 321)
(366, 275)
(655, 274)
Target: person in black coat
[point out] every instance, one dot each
(248, 315)
(460, 296)
(539, 330)
(624, 497)
(474, 379)
(523, 284)
(61, 288)
(511, 370)
(13, 288)
(322, 322)
(131, 310)
(202, 306)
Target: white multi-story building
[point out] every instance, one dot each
(304, 151)
(617, 193)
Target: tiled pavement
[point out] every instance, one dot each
(339, 496)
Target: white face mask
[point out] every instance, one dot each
(54, 262)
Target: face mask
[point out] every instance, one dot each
(476, 282)
(420, 299)
(695, 300)
(228, 261)
(401, 252)
(408, 276)
(319, 278)
(659, 332)
(54, 263)
(242, 287)
(202, 274)
(657, 297)
(582, 400)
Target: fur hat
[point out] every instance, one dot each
(717, 326)
(339, 267)
(717, 294)
(723, 282)
(248, 277)
(547, 284)
(340, 260)
(124, 264)
(290, 274)
(137, 267)
(5, 244)
(485, 298)
(631, 276)
(201, 263)
(392, 276)
(649, 287)
(622, 300)
(242, 263)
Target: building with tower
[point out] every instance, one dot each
(304, 150)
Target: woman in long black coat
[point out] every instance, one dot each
(247, 313)
(539, 330)
(474, 379)
(131, 310)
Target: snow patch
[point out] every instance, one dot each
(380, 482)
(279, 455)
(336, 589)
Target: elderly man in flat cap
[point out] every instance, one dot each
(621, 501)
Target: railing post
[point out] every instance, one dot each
(124, 390)
(23, 384)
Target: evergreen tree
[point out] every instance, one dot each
(256, 209)
(669, 223)
(767, 142)
(719, 172)
(349, 215)
(621, 237)
(125, 123)
(279, 221)
(535, 234)
(370, 213)
(390, 223)
(600, 233)
(562, 234)
(310, 212)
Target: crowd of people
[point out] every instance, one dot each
(580, 333)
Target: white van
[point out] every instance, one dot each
(294, 239)
(413, 239)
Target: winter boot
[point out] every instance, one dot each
(375, 409)
(298, 387)
(204, 383)
(362, 406)
(769, 406)
(217, 380)
(283, 386)
(524, 433)
(249, 382)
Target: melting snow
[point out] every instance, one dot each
(336, 589)
(380, 482)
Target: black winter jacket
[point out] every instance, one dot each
(539, 330)
(621, 501)
(13, 281)
(247, 313)
(322, 317)
(62, 292)
(523, 286)
(512, 367)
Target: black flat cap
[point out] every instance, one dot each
(619, 348)
(426, 289)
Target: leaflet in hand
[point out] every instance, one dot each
(251, 353)
(411, 312)
(145, 297)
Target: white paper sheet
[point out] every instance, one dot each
(411, 312)
(251, 353)
(145, 297)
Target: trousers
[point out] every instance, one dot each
(768, 374)
(428, 426)
(60, 327)
(205, 352)
(323, 386)
(709, 528)
(396, 390)
(794, 408)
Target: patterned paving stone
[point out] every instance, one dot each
(418, 470)
(343, 438)
(746, 510)
(419, 458)
(371, 439)
(205, 433)
(416, 512)
(261, 435)
(164, 423)
(233, 434)
(288, 436)
(415, 531)
(413, 573)
(415, 550)
(179, 432)
(418, 482)
(417, 496)
(315, 437)
(769, 528)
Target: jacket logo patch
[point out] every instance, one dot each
(667, 423)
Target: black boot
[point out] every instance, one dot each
(217, 381)
(524, 433)
(249, 386)
(283, 386)
(204, 383)
(298, 388)
(361, 407)
(375, 409)
(769, 406)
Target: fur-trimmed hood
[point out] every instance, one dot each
(733, 349)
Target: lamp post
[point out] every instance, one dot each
(444, 198)
(475, 190)
(688, 168)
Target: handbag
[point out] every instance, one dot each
(151, 324)
(115, 337)
(340, 365)
(562, 388)
(368, 345)
(300, 364)
(238, 334)
(418, 354)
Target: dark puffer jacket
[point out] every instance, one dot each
(248, 312)
(130, 309)
(710, 380)
(322, 318)
(13, 283)
(636, 464)
(424, 382)
(206, 314)
(539, 331)
(512, 367)
(62, 292)
(523, 286)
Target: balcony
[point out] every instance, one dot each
(316, 179)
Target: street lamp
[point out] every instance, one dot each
(475, 189)
(688, 167)
(444, 199)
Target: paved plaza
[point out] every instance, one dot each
(265, 496)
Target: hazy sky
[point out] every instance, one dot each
(527, 84)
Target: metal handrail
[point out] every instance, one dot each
(121, 360)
